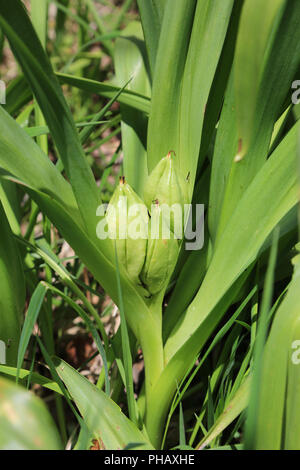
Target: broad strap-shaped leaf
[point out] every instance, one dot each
(32, 314)
(25, 423)
(39, 18)
(127, 97)
(224, 151)
(254, 34)
(163, 129)
(12, 291)
(18, 94)
(103, 417)
(152, 13)
(218, 88)
(207, 38)
(10, 199)
(130, 62)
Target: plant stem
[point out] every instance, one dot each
(152, 346)
(157, 408)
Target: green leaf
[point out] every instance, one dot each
(91, 328)
(260, 339)
(130, 98)
(130, 57)
(18, 94)
(277, 415)
(12, 291)
(20, 410)
(224, 151)
(182, 440)
(163, 129)
(152, 12)
(10, 200)
(207, 38)
(39, 18)
(34, 377)
(254, 34)
(103, 417)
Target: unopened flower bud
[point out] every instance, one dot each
(127, 219)
(170, 188)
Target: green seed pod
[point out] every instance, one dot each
(169, 187)
(127, 220)
(161, 254)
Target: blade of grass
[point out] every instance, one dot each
(166, 89)
(232, 411)
(280, 64)
(207, 38)
(249, 59)
(30, 320)
(12, 290)
(91, 328)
